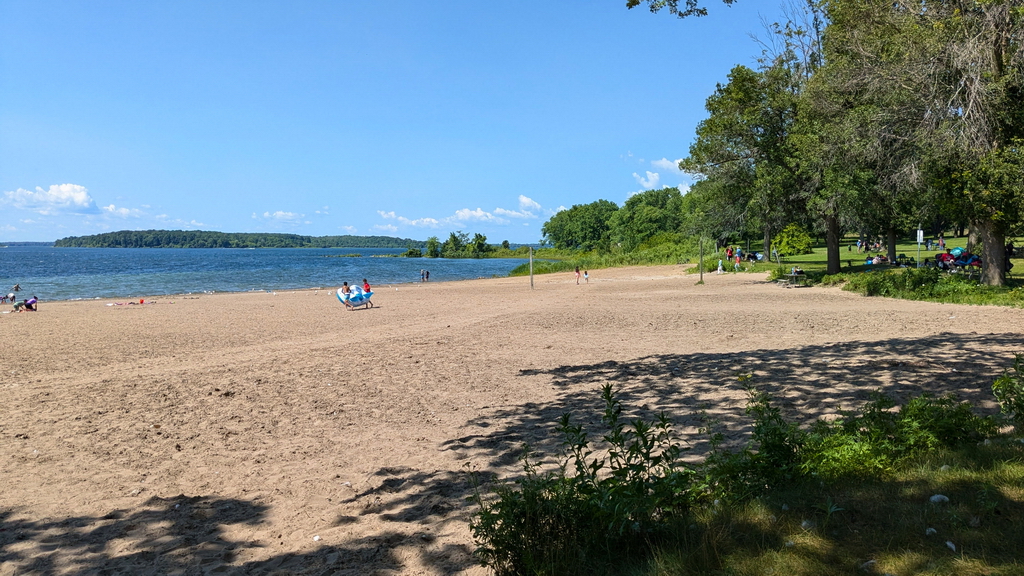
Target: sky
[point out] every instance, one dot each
(402, 118)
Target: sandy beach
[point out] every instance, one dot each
(264, 433)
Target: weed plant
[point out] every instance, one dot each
(1009, 392)
(613, 509)
(596, 509)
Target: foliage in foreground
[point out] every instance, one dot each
(612, 509)
(929, 284)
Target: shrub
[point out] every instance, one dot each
(793, 241)
(592, 510)
(1009, 392)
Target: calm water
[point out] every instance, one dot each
(73, 273)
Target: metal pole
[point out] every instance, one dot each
(701, 258)
(531, 268)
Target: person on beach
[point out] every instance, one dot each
(423, 275)
(366, 290)
(586, 276)
(428, 276)
(28, 305)
(577, 275)
(346, 290)
(16, 288)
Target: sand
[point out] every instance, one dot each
(280, 433)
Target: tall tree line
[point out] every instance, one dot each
(872, 116)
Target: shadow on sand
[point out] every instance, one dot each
(185, 535)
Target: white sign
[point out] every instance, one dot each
(920, 236)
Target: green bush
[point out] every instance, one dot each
(593, 510)
(598, 509)
(1009, 391)
(793, 241)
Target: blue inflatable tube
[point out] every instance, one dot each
(354, 298)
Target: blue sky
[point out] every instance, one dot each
(402, 118)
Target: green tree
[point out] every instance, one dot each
(455, 245)
(582, 227)
(793, 241)
(958, 69)
(746, 151)
(689, 7)
(646, 214)
(433, 247)
(479, 246)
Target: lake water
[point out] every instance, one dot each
(78, 273)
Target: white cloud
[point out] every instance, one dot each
(651, 182)
(387, 215)
(386, 227)
(527, 204)
(58, 198)
(560, 208)
(350, 229)
(478, 215)
(122, 212)
(425, 222)
(283, 216)
(324, 211)
(514, 214)
(666, 164)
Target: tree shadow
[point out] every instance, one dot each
(807, 383)
(186, 535)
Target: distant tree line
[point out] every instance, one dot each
(204, 239)
(460, 245)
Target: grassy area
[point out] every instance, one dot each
(868, 527)
(549, 260)
(928, 487)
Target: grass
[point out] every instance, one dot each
(928, 488)
(812, 529)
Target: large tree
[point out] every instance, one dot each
(689, 7)
(745, 147)
(645, 215)
(582, 227)
(957, 71)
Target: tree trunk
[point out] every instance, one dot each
(832, 244)
(891, 239)
(993, 252)
(767, 242)
(973, 236)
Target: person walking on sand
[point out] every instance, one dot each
(586, 277)
(366, 290)
(346, 290)
(577, 275)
